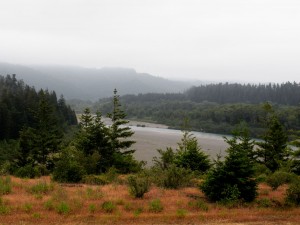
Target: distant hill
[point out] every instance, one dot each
(89, 83)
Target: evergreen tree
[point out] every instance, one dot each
(118, 138)
(190, 155)
(39, 144)
(273, 150)
(118, 132)
(232, 179)
(92, 140)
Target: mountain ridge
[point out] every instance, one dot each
(91, 83)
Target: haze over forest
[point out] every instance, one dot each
(245, 41)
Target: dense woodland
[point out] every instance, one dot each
(216, 108)
(95, 153)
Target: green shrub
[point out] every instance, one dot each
(28, 171)
(138, 185)
(92, 208)
(138, 211)
(68, 168)
(173, 177)
(5, 185)
(279, 178)
(63, 208)
(155, 206)
(108, 206)
(293, 193)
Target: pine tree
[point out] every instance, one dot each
(190, 155)
(118, 132)
(273, 150)
(232, 179)
(92, 140)
(118, 139)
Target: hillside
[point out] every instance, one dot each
(90, 83)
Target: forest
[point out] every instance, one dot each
(215, 108)
(40, 138)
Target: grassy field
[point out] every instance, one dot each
(39, 201)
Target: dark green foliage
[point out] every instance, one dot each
(18, 104)
(118, 133)
(138, 184)
(232, 179)
(273, 150)
(206, 115)
(28, 171)
(293, 192)
(118, 139)
(69, 167)
(92, 139)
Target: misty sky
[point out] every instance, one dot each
(243, 40)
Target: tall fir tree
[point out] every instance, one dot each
(273, 149)
(118, 139)
(119, 132)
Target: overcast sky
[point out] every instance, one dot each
(244, 40)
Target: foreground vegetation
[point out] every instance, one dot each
(41, 201)
(100, 155)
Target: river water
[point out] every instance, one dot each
(149, 139)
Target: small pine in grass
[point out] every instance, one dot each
(92, 208)
(108, 206)
(156, 206)
(63, 208)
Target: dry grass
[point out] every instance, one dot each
(79, 198)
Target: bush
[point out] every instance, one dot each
(108, 206)
(279, 178)
(28, 171)
(63, 208)
(174, 177)
(155, 206)
(69, 168)
(293, 193)
(138, 185)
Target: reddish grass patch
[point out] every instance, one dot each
(136, 211)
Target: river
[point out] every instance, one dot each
(149, 139)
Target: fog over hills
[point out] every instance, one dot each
(90, 83)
